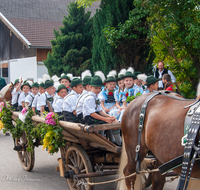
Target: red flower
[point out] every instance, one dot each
(110, 93)
(104, 83)
(127, 94)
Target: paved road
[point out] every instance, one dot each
(43, 176)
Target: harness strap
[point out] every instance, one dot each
(140, 127)
(188, 154)
(79, 101)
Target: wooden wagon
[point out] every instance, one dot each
(85, 156)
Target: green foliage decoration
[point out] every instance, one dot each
(131, 98)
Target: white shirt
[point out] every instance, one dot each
(34, 103)
(69, 103)
(29, 98)
(15, 95)
(79, 103)
(21, 99)
(42, 100)
(57, 104)
(90, 106)
(160, 83)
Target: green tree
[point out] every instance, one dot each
(104, 56)
(174, 33)
(71, 48)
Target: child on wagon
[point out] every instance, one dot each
(106, 96)
(15, 93)
(25, 91)
(30, 97)
(92, 110)
(69, 103)
(34, 104)
(57, 104)
(48, 95)
(152, 84)
(128, 91)
(65, 80)
(86, 77)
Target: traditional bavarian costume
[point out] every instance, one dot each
(15, 96)
(58, 102)
(29, 99)
(69, 103)
(79, 103)
(42, 101)
(36, 99)
(127, 92)
(22, 96)
(108, 96)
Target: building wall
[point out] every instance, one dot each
(25, 68)
(11, 47)
(41, 69)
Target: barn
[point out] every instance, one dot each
(26, 31)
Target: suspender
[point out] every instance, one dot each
(79, 101)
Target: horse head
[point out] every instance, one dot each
(5, 92)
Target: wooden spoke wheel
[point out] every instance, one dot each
(26, 159)
(78, 161)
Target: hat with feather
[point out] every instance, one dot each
(64, 76)
(111, 76)
(101, 75)
(86, 77)
(121, 74)
(129, 73)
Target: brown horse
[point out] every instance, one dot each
(162, 134)
(6, 92)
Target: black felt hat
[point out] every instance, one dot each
(96, 81)
(150, 80)
(86, 80)
(48, 83)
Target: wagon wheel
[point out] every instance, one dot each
(26, 159)
(78, 160)
(145, 177)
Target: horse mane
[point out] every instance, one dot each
(4, 90)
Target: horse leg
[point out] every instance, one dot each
(158, 180)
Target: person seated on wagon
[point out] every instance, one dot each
(47, 96)
(128, 90)
(166, 79)
(57, 103)
(30, 97)
(86, 77)
(152, 84)
(137, 83)
(69, 103)
(106, 96)
(92, 110)
(26, 87)
(15, 93)
(65, 80)
(36, 98)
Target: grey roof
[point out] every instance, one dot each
(37, 17)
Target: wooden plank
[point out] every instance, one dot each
(102, 127)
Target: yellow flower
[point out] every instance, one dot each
(1, 125)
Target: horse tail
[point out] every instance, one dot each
(122, 164)
(121, 185)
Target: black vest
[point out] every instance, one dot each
(157, 73)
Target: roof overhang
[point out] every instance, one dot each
(15, 31)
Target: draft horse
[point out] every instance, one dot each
(162, 133)
(6, 92)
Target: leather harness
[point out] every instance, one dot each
(190, 151)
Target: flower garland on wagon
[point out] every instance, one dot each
(49, 133)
